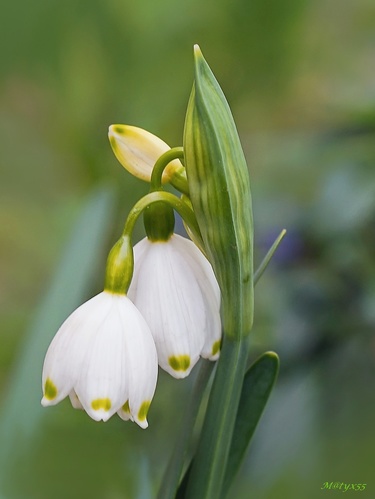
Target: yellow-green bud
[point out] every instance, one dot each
(138, 150)
(219, 188)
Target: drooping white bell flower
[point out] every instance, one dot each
(175, 289)
(104, 358)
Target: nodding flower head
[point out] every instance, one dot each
(175, 289)
(104, 358)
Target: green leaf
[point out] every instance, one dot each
(181, 491)
(219, 190)
(257, 386)
(206, 477)
(169, 484)
(144, 478)
(81, 260)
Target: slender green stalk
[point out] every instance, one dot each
(162, 163)
(159, 219)
(208, 470)
(266, 260)
(173, 472)
(177, 204)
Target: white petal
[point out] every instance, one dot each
(75, 400)
(63, 358)
(124, 412)
(167, 294)
(210, 291)
(199, 263)
(102, 381)
(141, 365)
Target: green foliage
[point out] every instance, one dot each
(67, 290)
(220, 194)
(256, 389)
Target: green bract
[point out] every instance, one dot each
(219, 188)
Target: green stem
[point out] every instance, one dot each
(173, 472)
(159, 218)
(161, 164)
(208, 470)
(177, 204)
(177, 179)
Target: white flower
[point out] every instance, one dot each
(175, 289)
(104, 358)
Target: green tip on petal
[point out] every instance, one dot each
(126, 407)
(104, 404)
(179, 362)
(50, 390)
(143, 410)
(113, 143)
(118, 129)
(216, 347)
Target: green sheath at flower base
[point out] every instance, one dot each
(159, 222)
(219, 189)
(120, 264)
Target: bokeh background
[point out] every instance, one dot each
(299, 76)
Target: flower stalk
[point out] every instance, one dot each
(173, 201)
(159, 218)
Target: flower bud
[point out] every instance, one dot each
(219, 188)
(138, 150)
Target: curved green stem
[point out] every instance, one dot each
(178, 179)
(177, 204)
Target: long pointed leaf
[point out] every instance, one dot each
(172, 474)
(266, 260)
(257, 386)
(21, 409)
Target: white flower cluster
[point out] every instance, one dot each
(105, 355)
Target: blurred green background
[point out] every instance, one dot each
(299, 76)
